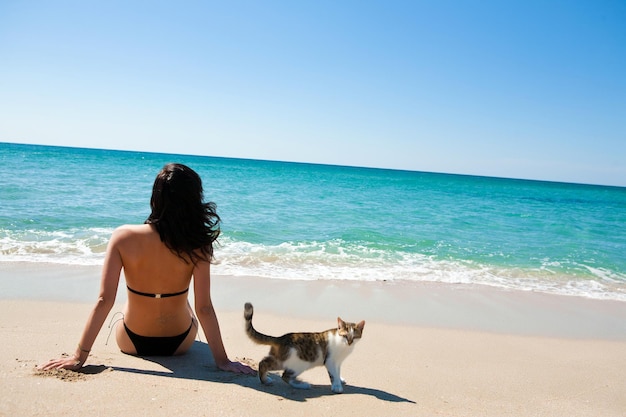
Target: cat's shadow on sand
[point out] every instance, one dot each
(194, 366)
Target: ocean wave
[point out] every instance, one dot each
(72, 247)
(339, 260)
(332, 260)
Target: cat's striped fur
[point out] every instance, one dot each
(296, 352)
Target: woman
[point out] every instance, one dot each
(159, 259)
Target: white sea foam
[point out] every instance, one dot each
(331, 260)
(85, 247)
(334, 261)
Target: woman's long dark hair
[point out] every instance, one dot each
(186, 224)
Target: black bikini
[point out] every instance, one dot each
(147, 294)
(156, 345)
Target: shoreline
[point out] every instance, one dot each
(424, 304)
(426, 350)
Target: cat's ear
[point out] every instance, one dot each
(361, 325)
(340, 323)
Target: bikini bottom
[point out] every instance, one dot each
(156, 345)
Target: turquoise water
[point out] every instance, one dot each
(303, 221)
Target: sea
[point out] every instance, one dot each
(299, 221)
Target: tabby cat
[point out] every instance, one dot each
(298, 352)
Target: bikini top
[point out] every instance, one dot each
(146, 294)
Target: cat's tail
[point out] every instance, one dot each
(257, 337)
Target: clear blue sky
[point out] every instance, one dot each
(523, 89)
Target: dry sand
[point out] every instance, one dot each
(427, 350)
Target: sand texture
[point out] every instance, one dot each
(395, 370)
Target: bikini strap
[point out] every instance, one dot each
(145, 294)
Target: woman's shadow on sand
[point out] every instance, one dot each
(194, 366)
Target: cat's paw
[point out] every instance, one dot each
(267, 380)
(337, 389)
(296, 383)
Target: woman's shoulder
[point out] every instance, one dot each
(131, 230)
(130, 237)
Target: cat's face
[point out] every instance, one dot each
(349, 331)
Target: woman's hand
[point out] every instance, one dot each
(236, 367)
(72, 363)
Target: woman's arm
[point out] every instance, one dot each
(106, 298)
(208, 320)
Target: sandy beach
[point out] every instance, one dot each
(427, 350)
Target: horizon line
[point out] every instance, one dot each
(496, 177)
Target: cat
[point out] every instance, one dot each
(297, 352)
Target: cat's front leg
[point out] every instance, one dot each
(336, 380)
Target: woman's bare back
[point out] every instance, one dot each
(151, 267)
